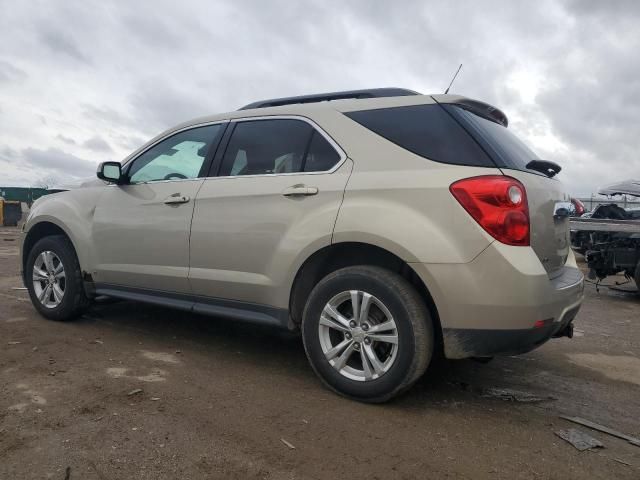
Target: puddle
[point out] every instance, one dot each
(15, 319)
(155, 375)
(18, 407)
(34, 396)
(615, 367)
(160, 356)
(117, 372)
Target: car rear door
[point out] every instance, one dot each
(141, 228)
(275, 199)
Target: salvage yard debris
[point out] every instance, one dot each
(579, 439)
(287, 444)
(604, 429)
(134, 392)
(514, 395)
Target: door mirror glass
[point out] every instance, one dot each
(110, 172)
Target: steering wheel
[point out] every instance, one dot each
(174, 175)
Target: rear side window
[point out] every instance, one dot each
(503, 145)
(426, 130)
(261, 147)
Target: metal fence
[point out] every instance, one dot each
(624, 201)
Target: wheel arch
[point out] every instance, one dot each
(38, 231)
(346, 254)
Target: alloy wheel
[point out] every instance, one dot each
(358, 335)
(49, 279)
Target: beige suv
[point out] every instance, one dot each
(386, 225)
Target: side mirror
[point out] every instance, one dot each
(110, 172)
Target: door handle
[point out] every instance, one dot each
(176, 199)
(299, 191)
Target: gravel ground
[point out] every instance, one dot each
(135, 391)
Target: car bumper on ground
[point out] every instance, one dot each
(503, 302)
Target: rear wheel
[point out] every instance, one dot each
(367, 333)
(54, 280)
(637, 277)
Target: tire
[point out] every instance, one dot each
(74, 300)
(413, 332)
(637, 277)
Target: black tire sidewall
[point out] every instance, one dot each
(395, 378)
(73, 284)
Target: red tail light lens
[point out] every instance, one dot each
(579, 206)
(498, 204)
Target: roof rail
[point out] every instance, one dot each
(324, 97)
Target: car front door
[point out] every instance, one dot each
(276, 197)
(141, 228)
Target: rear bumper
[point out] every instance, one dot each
(490, 306)
(464, 343)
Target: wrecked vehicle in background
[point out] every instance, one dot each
(610, 237)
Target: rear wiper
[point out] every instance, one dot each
(550, 169)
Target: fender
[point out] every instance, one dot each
(72, 212)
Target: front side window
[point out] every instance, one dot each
(260, 147)
(178, 157)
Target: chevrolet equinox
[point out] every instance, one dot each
(387, 226)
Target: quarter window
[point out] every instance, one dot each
(426, 130)
(177, 157)
(260, 147)
(321, 155)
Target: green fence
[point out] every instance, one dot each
(24, 194)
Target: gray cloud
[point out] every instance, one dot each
(563, 71)
(10, 73)
(65, 139)
(54, 160)
(97, 143)
(62, 43)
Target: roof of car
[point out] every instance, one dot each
(347, 101)
(324, 97)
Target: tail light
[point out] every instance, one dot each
(499, 204)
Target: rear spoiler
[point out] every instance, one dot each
(475, 106)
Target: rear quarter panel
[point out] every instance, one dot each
(400, 201)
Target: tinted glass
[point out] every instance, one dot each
(261, 147)
(177, 157)
(507, 149)
(426, 130)
(321, 155)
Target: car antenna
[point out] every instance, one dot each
(454, 77)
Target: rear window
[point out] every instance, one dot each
(426, 130)
(505, 148)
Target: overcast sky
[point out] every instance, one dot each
(88, 81)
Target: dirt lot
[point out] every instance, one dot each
(218, 399)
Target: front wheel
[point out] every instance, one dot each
(54, 280)
(367, 333)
